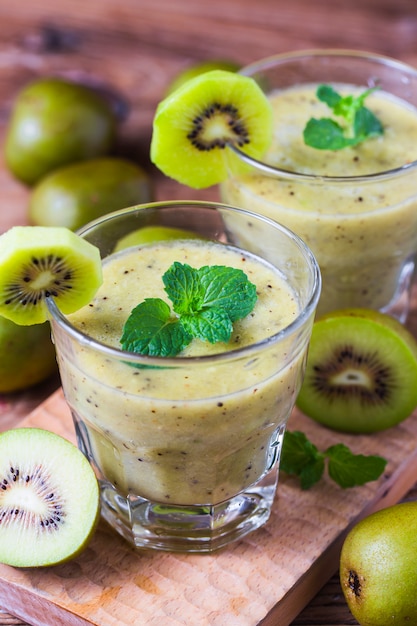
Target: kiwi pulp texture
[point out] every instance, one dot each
(49, 498)
(361, 372)
(196, 122)
(37, 262)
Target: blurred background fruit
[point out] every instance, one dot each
(76, 194)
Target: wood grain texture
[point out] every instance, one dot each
(135, 47)
(263, 579)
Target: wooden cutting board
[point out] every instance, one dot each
(266, 578)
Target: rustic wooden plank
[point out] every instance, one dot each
(263, 579)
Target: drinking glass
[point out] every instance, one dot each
(361, 228)
(190, 463)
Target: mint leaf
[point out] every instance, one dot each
(326, 134)
(150, 330)
(359, 122)
(228, 288)
(327, 94)
(183, 288)
(206, 302)
(211, 325)
(301, 457)
(349, 470)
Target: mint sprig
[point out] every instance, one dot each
(359, 123)
(302, 458)
(205, 303)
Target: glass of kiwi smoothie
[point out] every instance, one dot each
(183, 370)
(348, 186)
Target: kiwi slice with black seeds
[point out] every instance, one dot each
(49, 498)
(38, 262)
(194, 125)
(361, 372)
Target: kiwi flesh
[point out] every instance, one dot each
(194, 124)
(37, 262)
(49, 498)
(361, 372)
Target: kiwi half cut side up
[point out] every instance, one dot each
(49, 498)
(361, 372)
(37, 262)
(194, 124)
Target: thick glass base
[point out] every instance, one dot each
(400, 304)
(156, 526)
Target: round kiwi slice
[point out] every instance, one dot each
(361, 372)
(49, 498)
(194, 124)
(37, 262)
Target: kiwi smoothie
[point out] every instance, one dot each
(361, 227)
(194, 434)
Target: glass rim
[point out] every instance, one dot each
(56, 315)
(276, 59)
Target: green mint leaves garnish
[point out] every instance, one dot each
(205, 301)
(302, 458)
(359, 123)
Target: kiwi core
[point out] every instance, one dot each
(41, 278)
(217, 126)
(350, 373)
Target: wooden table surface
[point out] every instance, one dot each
(136, 47)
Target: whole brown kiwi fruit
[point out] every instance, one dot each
(56, 121)
(81, 192)
(27, 355)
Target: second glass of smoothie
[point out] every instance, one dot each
(187, 448)
(357, 207)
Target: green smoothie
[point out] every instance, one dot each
(198, 432)
(364, 231)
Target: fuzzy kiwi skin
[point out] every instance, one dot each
(69, 122)
(27, 355)
(79, 193)
(361, 416)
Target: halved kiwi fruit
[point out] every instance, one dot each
(361, 372)
(37, 262)
(195, 123)
(49, 498)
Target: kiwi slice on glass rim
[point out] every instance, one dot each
(194, 125)
(361, 372)
(37, 262)
(49, 498)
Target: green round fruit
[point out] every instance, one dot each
(378, 567)
(199, 68)
(150, 234)
(55, 122)
(27, 355)
(361, 372)
(79, 193)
